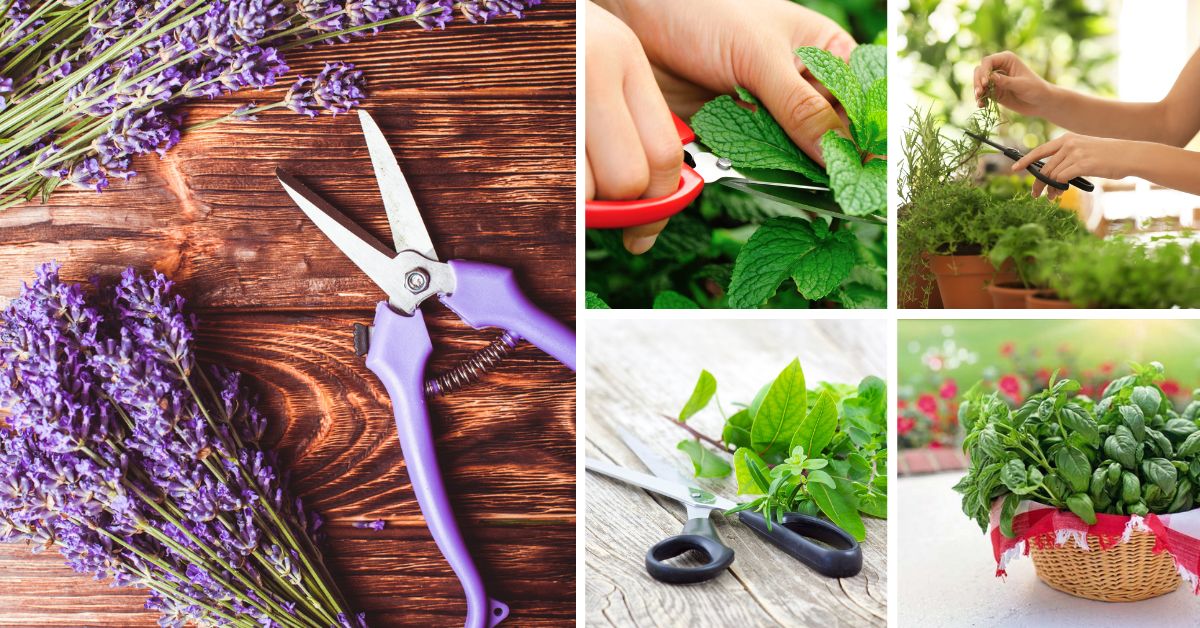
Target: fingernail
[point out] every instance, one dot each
(640, 245)
(1014, 167)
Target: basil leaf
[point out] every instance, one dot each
(1135, 420)
(1081, 505)
(1073, 466)
(736, 432)
(1122, 447)
(820, 477)
(1146, 398)
(1006, 514)
(1013, 475)
(1161, 472)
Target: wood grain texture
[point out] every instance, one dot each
(638, 370)
(482, 122)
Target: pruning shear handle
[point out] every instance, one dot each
(699, 535)
(620, 214)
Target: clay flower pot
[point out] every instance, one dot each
(1009, 296)
(963, 279)
(1046, 300)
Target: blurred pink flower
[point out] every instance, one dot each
(1007, 349)
(1171, 387)
(1011, 386)
(905, 425)
(949, 389)
(928, 404)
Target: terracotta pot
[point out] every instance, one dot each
(922, 284)
(1009, 296)
(1046, 300)
(963, 279)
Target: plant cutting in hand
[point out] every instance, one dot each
(1128, 453)
(794, 449)
(138, 463)
(767, 250)
(86, 85)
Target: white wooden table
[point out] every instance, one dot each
(638, 370)
(945, 575)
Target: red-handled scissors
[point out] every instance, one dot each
(702, 166)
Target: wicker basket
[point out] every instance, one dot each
(1127, 572)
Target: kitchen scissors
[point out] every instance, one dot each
(701, 166)
(826, 548)
(398, 345)
(1034, 168)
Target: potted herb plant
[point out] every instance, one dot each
(1023, 236)
(1122, 273)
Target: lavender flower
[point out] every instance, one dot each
(336, 89)
(126, 106)
(140, 465)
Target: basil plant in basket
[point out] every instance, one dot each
(1128, 453)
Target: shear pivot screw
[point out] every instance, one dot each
(417, 280)
(724, 163)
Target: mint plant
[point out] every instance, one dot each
(794, 449)
(839, 263)
(1127, 453)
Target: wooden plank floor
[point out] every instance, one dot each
(482, 119)
(639, 370)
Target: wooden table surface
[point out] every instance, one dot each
(482, 119)
(639, 370)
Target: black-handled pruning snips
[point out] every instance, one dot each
(1035, 168)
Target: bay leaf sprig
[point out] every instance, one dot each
(794, 449)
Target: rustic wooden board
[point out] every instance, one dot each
(482, 121)
(639, 370)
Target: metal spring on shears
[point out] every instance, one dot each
(471, 369)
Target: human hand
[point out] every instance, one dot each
(1072, 155)
(1014, 85)
(702, 48)
(632, 147)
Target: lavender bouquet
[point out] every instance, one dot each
(85, 85)
(139, 464)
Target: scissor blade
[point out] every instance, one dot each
(404, 218)
(985, 140)
(815, 202)
(368, 253)
(688, 495)
(659, 467)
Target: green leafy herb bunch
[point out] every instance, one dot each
(1128, 453)
(815, 451)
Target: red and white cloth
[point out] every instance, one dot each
(1177, 534)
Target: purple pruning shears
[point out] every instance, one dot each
(398, 346)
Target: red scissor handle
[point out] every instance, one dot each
(620, 214)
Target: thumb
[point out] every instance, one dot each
(803, 112)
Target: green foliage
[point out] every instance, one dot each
(705, 462)
(1063, 40)
(750, 137)
(816, 259)
(702, 249)
(1127, 453)
(1120, 273)
(705, 388)
(593, 301)
(800, 449)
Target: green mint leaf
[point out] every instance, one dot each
(706, 387)
(837, 77)
(861, 189)
(593, 301)
(871, 131)
(818, 425)
(750, 139)
(829, 263)
(790, 247)
(869, 64)
(707, 464)
(671, 300)
(737, 429)
(782, 410)
(840, 505)
(751, 472)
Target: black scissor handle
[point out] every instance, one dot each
(699, 535)
(839, 557)
(1035, 169)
